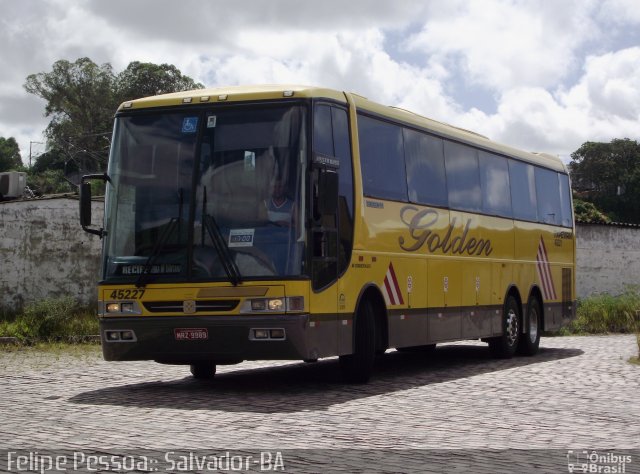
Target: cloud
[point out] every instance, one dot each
(620, 11)
(602, 105)
(506, 43)
(539, 75)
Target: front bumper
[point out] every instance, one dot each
(228, 340)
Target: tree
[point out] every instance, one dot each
(9, 154)
(147, 79)
(80, 101)
(82, 98)
(608, 175)
(587, 212)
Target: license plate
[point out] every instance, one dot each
(191, 334)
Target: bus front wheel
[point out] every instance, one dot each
(505, 346)
(203, 370)
(358, 367)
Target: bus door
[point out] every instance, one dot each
(332, 219)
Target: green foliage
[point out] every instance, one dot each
(608, 175)
(604, 313)
(49, 182)
(147, 79)
(54, 159)
(60, 319)
(587, 212)
(9, 154)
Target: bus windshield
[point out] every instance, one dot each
(210, 194)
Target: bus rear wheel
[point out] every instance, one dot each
(530, 341)
(505, 346)
(358, 367)
(203, 370)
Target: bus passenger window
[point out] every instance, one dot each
(463, 177)
(494, 181)
(548, 192)
(426, 178)
(382, 158)
(523, 191)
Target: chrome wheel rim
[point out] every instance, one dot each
(533, 325)
(512, 327)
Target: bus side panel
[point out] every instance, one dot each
(323, 323)
(444, 303)
(476, 319)
(408, 321)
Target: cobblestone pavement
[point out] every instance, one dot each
(578, 393)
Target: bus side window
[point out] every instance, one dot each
(463, 177)
(548, 191)
(494, 181)
(523, 191)
(382, 159)
(426, 178)
(565, 198)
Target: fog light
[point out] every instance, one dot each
(113, 307)
(276, 304)
(277, 334)
(127, 335)
(112, 335)
(261, 333)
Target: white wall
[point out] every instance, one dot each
(607, 258)
(44, 253)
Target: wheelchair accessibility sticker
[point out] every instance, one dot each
(190, 125)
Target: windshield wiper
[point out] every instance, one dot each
(230, 267)
(210, 224)
(157, 248)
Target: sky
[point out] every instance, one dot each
(540, 75)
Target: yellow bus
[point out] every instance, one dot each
(290, 222)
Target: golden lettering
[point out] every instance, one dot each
(420, 223)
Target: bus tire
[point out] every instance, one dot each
(505, 346)
(203, 370)
(358, 367)
(530, 341)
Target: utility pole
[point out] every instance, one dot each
(30, 144)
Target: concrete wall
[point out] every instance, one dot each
(44, 253)
(607, 258)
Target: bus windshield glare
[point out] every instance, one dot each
(214, 194)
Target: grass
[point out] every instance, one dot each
(47, 356)
(50, 321)
(604, 314)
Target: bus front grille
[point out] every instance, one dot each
(204, 306)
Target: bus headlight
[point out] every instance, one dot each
(276, 304)
(112, 308)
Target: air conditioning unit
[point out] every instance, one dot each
(12, 184)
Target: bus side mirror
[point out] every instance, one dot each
(85, 205)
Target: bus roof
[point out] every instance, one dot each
(274, 92)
